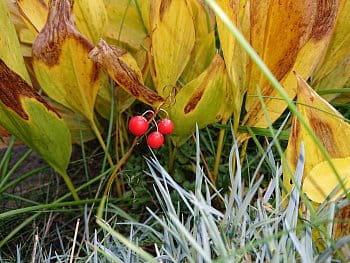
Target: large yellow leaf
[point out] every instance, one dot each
(124, 70)
(173, 37)
(204, 49)
(90, 18)
(201, 101)
(61, 63)
(329, 127)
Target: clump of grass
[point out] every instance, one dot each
(251, 224)
(247, 223)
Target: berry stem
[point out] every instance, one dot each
(114, 176)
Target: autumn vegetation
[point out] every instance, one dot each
(245, 104)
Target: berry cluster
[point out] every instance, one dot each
(139, 125)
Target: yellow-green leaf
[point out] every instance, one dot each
(173, 38)
(124, 70)
(10, 50)
(201, 101)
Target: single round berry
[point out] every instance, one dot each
(138, 125)
(155, 139)
(166, 126)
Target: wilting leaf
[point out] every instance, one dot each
(201, 101)
(329, 126)
(34, 13)
(334, 71)
(125, 27)
(173, 38)
(28, 116)
(124, 70)
(61, 63)
(321, 180)
(91, 18)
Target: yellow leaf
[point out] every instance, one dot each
(90, 18)
(61, 63)
(321, 180)
(125, 27)
(173, 37)
(124, 70)
(327, 124)
(204, 49)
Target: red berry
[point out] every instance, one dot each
(155, 140)
(166, 126)
(138, 125)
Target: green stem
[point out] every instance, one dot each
(219, 151)
(113, 177)
(70, 185)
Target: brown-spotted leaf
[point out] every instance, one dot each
(25, 114)
(123, 70)
(61, 63)
(330, 128)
